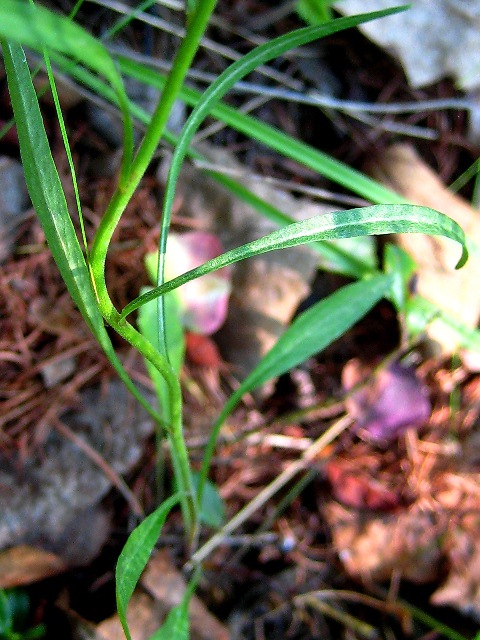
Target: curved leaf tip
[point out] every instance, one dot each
(464, 257)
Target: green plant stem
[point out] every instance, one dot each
(174, 429)
(108, 224)
(144, 346)
(151, 139)
(155, 130)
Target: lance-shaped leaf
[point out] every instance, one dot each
(375, 220)
(310, 333)
(135, 554)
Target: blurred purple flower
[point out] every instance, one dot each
(394, 401)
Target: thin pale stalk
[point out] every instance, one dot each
(270, 490)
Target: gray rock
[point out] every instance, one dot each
(52, 500)
(432, 39)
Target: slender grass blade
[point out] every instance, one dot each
(49, 202)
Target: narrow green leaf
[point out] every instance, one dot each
(37, 28)
(49, 202)
(314, 11)
(402, 267)
(316, 328)
(127, 18)
(176, 625)
(310, 333)
(429, 621)
(375, 220)
(66, 145)
(42, 179)
(135, 555)
(419, 312)
(334, 256)
(211, 511)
